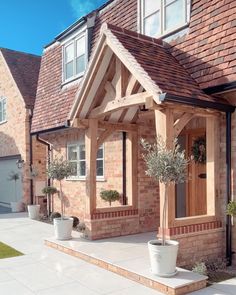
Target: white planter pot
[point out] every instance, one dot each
(163, 258)
(63, 228)
(33, 211)
(16, 206)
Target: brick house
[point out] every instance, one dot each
(135, 69)
(18, 84)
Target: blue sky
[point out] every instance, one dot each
(28, 25)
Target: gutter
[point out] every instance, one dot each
(221, 88)
(197, 102)
(67, 125)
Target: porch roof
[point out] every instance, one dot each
(149, 61)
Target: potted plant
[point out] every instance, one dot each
(49, 191)
(231, 208)
(33, 209)
(168, 167)
(110, 196)
(16, 206)
(60, 169)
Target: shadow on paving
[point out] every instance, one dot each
(4, 210)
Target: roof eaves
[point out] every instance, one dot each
(219, 106)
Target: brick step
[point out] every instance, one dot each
(183, 283)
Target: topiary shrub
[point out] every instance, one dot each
(75, 221)
(49, 190)
(231, 208)
(55, 215)
(110, 196)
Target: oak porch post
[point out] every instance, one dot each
(132, 170)
(211, 146)
(164, 121)
(91, 157)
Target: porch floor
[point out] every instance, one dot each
(128, 257)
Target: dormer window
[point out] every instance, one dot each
(161, 17)
(74, 57)
(3, 110)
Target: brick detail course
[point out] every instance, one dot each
(193, 228)
(113, 214)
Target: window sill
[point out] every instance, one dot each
(99, 179)
(113, 209)
(73, 79)
(3, 122)
(194, 220)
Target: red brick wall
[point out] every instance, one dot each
(75, 190)
(202, 246)
(208, 50)
(147, 218)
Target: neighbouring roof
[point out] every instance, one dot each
(24, 68)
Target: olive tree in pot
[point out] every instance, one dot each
(60, 169)
(16, 206)
(168, 167)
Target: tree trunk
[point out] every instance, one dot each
(164, 218)
(61, 198)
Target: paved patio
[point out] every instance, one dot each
(45, 271)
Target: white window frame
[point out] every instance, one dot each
(65, 44)
(3, 102)
(186, 8)
(83, 177)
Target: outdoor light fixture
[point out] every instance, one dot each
(20, 163)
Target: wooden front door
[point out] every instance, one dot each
(196, 196)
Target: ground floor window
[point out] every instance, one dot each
(76, 156)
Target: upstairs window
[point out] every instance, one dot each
(76, 156)
(74, 58)
(3, 109)
(161, 17)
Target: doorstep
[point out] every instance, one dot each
(128, 257)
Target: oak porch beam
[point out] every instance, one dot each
(119, 104)
(84, 123)
(103, 136)
(197, 111)
(181, 122)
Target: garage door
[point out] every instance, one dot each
(7, 188)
